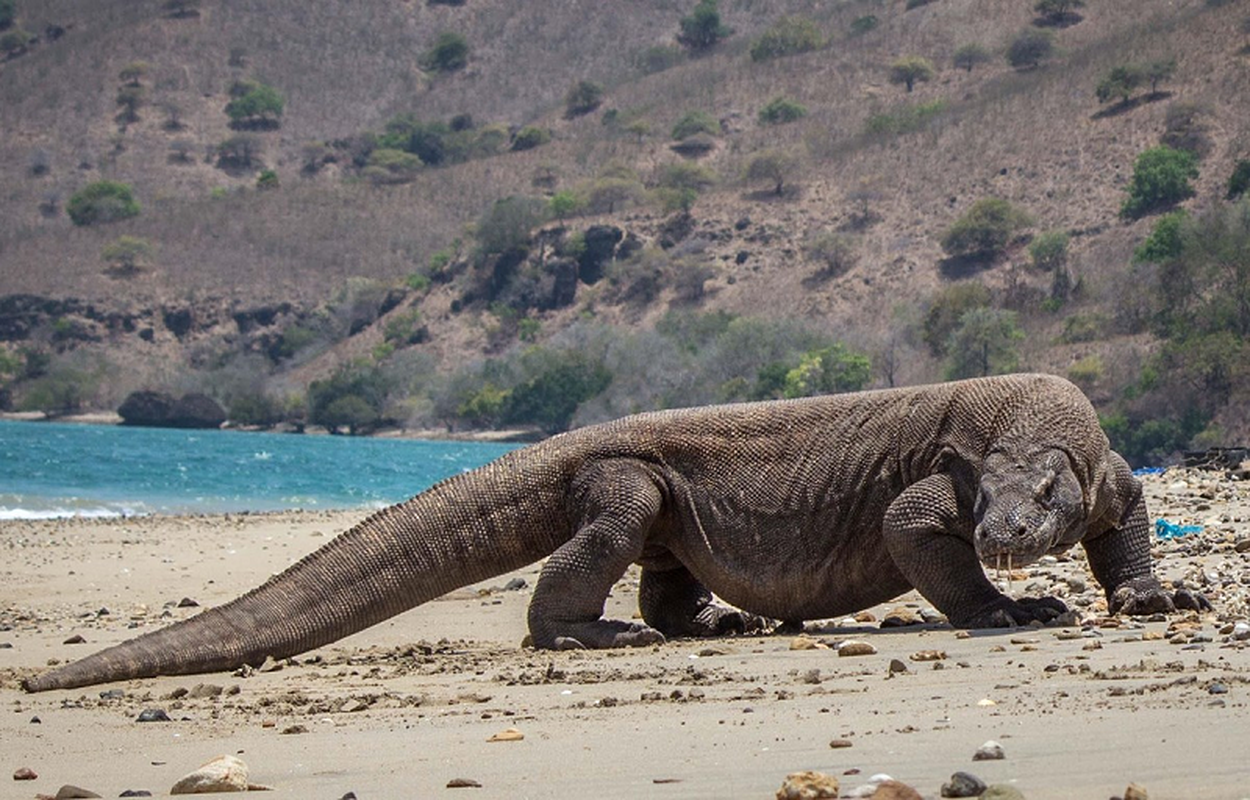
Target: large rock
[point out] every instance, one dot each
(197, 410)
(147, 408)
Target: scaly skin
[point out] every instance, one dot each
(791, 510)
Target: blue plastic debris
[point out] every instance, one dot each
(1149, 471)
(1171, 530)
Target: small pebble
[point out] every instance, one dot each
(25, 774)
(1217, 688)
(75, 639)
(990, 751)
(895, 790)
(1241, 632)
(187, 602)
(1136, 792)
(153, 715)
(463, 783)
(897, 666)
(515, 585)
(963, 784)
(135, 793)
(69, 792)
(839, 744)
(509, 735)
(808, 786)
(1002, 791)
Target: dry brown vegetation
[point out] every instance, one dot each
(1035, 138)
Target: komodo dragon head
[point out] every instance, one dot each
(1027, 507)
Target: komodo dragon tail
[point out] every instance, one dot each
(466, 529)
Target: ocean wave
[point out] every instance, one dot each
(66, 513)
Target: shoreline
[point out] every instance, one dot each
(512, 435)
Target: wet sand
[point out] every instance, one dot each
(405, 707)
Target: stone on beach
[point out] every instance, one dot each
(222, 774)
(990, 751)
(808, 785)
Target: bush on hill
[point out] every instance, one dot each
(102, 201)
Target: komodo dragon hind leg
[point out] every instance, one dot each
(613, 504)
(676, 604)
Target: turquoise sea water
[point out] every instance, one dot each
(57, 470)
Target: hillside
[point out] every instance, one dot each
(231, 269)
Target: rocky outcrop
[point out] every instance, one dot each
(161, 410)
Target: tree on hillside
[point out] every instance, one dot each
(970, 55)
(1119, 82)
(1030, 48)
(8, 12)
(1160, 180)
(1159, 71)
(182, 9)
(910, 70)
(583, 98)
(14, 42)
(781, 110)
(985, 229)
(102, 201)
(1049, 252)
(703, 28)
(132, 74)
(450, 52)
(984, 343)
(243, 151)
(1239, 181)
(130, 98)
(1058, 12)
(772, 166)
(255, 105)
(126, 255)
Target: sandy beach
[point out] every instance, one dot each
(404, 708)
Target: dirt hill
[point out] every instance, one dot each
(886, 168)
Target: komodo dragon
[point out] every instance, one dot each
(793, 510)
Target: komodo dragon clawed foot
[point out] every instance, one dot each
(1008, 613)
(606, 633)
(1146, 596)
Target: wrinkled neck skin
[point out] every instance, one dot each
(1032, 500)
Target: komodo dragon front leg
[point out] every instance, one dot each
(613, 505)
(1120, 556)
(929, 537)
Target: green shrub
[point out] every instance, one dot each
(606, 194)
(102, 201)
(985, 229)
(788, 36)
(392, 166)
(583, 98)
(126, 254)
(1082, 328)
(1239, 181)
(773, 166)
(8, 12)
(917, 4)
(694, 122)
(508, 222)
(1119, 82)
(131, 98)
(255, 103)
(530, 137)
(1086, 372)
(1165, 241)
(782, 109)
(1057, 12)
(255, 408)
(1160, 179)
(835, 252)
(904, 118)
(983, 343)
(828, 370)
(563, 204)
(946, 309)
(1049, 250)
(864, 24)
(404, 328)
(1030, 48)
(450, 52)
(1185, 127)
(550, 398)
(658, 58)
(14, 42)
(687, 175)
(703, 28)
(970, 55)
(353, 397)
(267, 179)
(242, 151)
(911, 70)
(61, 390)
